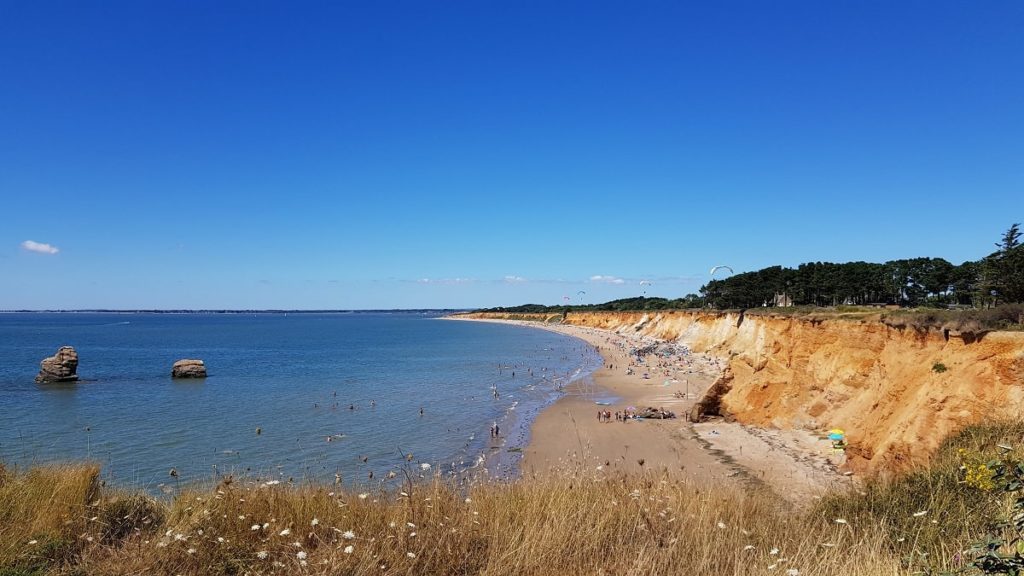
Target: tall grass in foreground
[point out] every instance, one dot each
(56, 521)
(49, 507)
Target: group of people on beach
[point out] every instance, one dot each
(606, 416)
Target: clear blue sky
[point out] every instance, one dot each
(460, 154)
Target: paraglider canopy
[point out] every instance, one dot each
(717, 268)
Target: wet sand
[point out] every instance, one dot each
(568, 435)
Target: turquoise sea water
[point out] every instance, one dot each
(358, 378)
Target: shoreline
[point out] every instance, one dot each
(567, 435)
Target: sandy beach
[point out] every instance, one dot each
(569, 435)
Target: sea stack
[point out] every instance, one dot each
(188, 369)
(61, 367)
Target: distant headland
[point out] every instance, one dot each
(238, 311)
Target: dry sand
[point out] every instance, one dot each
(795, 464)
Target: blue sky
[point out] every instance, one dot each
(461, 154)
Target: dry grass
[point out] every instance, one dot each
(49, 507)
(581, 522)
(574, 524)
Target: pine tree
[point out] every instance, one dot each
(1004, 269)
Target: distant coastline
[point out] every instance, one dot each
(230, 311)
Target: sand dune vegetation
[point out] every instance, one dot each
(59, 520)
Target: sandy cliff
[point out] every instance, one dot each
(876, 381)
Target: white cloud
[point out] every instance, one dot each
(39, 247)
(514, 279)
(607, 279)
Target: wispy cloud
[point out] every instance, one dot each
(514, 280)
(607, 279)
(446, 281)
(39, 247)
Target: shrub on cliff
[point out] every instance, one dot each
(932, 516)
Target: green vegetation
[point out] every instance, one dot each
(997, 278)
(933, 518)
(1003, 271)
(623, 305)
(960, 515)
(939, 368)
(1003, 317)
(974, 296)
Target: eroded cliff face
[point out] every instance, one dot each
(876, 381)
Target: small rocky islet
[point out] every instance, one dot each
(63, 367)
(188, 368)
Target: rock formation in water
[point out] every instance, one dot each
(61, 367)
(188, 369)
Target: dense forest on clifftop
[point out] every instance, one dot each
(917, 282)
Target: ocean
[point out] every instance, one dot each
(333, 396)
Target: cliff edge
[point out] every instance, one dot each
(896, 391)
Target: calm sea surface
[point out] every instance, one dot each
(300, 378)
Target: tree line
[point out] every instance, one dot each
(998, 278)
(930, 282)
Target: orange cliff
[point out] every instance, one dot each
(877, 381)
